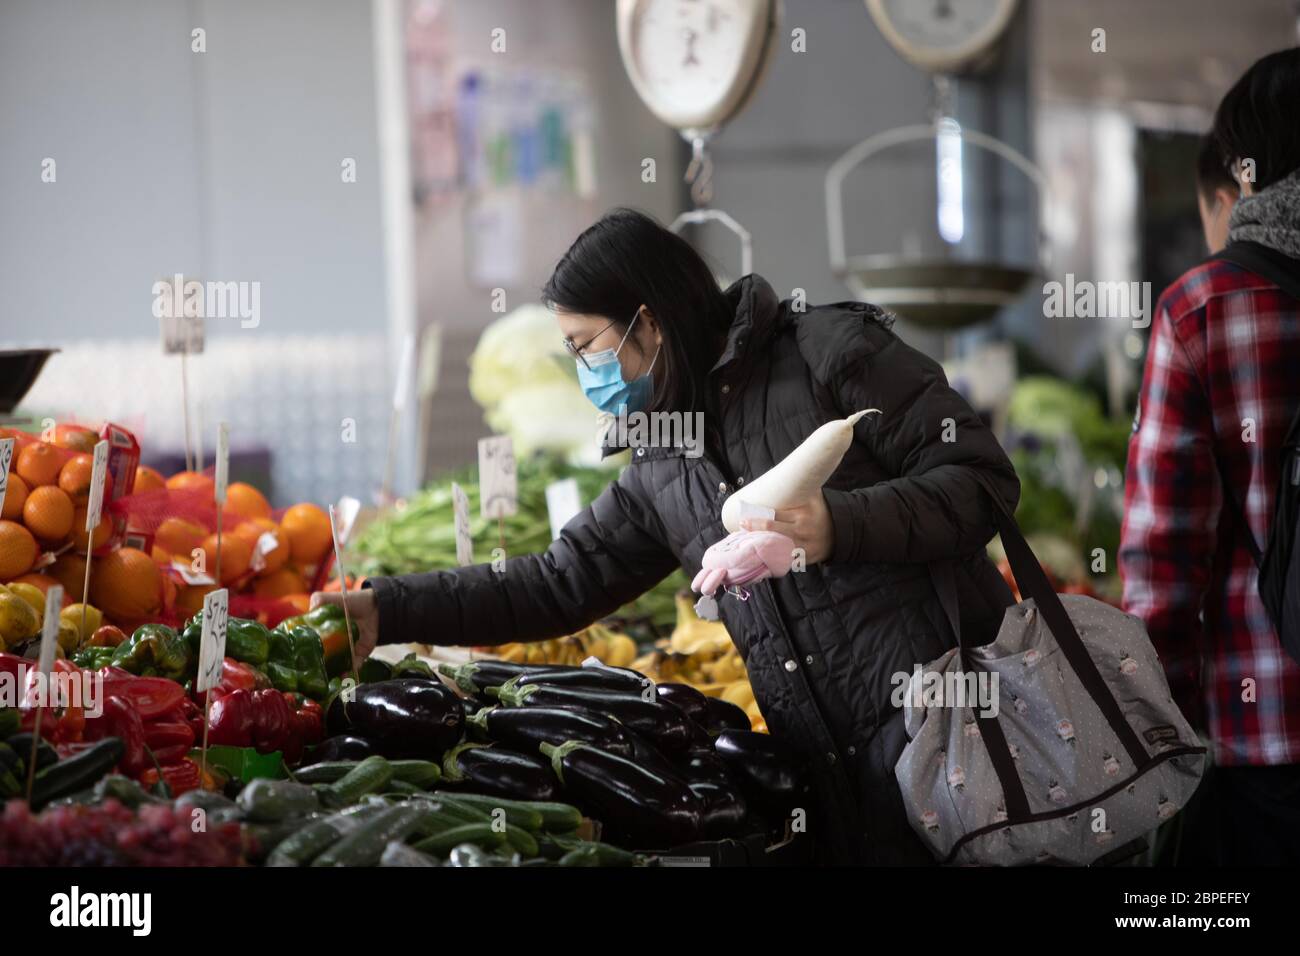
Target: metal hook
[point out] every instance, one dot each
(699, 173)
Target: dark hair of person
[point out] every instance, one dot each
(1212, 172)
(1259, 118)
(625, 260)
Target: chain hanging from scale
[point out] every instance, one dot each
(699, 175)
(699, 171)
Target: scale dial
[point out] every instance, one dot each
(695, 62)
(942, 36)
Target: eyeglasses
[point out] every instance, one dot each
(577, 350)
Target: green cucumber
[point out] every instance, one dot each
(466, 811)
(422, 773)
(399, 854)
(532, 815)
(263, 839)
(272, 801)
(365, 845)
(402, 788)
(76, 773)
(480, 834)
(598, 854)
(319, 835)
(369, 776)
(521, 841)
(10, 721)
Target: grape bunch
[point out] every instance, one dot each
(110, 834)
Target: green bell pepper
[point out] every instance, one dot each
(93, 658)
(328, 621)
(247, 641)
(156, 650)
(309, 661)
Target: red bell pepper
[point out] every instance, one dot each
(231, 719)
(306, 725)
(271, 721)
(151, 696)
(193, 715)
(181, 777)
(58, 724)
(120, 719)
(170, 730)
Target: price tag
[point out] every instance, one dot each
(98, 473)
(212, 642)
(6, 456)
(345, 513)
(182, 334)
(222, 478)
(50, 628)
(498, 484)
(562, 503)
(460, 508)
(751, 510)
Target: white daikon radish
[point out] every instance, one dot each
(799, 475)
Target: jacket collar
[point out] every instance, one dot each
(756, 309)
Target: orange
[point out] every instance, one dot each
(39, 464)
(48, 513)
(308, 529)
(280, 583)
(75, 437)
(189, 599)
(126, 585)
(160, 555)
(80, 539)
(301, 602)
(15, 495)
(17, 550)
(147, 479)
(74, 479)
(236, 553)
(36, 580)
(246, 501)
(191, 481)
(277, 557)
(21, 441)
(180, 536)
(70, 571)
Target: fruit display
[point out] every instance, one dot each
(420, 534)
(598, 641)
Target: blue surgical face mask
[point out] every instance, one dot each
(603, 382)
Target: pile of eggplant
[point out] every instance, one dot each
(659, 765)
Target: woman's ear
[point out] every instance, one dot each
(652, 324)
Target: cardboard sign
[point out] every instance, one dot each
(222, 478)
(346, 512)
(6, 456)
(460, 508)
(562, 503)
(50, 627)
(98, 472)
(182, 334)
(212, 643)
(498, 482)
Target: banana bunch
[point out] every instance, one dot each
(606, 645)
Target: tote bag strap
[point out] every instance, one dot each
(1034, 584)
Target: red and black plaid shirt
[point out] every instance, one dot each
(1222, 382)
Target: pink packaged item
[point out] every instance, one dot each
(741, 558)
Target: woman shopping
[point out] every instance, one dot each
(651, 331)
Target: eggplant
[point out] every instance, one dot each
(725, 810)
(659, 720)
(612, 679)
(699, 765)
(723, 715)
(342, 747)
(770, 774)
(637, 806)
(498, 772)
(647, 755)
(475, 677)
(407, 718)
(523, 728)
(689, 700)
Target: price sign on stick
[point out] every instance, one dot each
(343, 594)
(460, 508)
(220, 482)
(6, 456)
(498, 483)
(43, 686)
(562, 503)
(212, 652)
(182, 334)
(94, 512)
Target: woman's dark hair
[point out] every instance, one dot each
(626, 260)
(1259, 118)
(1212, 172)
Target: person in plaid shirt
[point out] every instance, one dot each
(1221, 386)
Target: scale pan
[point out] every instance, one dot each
(18, 371)
(936, 294)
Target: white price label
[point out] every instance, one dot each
(562, 503)
(222, 478)
(50, 627)
(6, 456)
(98, 473)
(346, 512)
(498, 483)
(750, 510)
(182, 334)
(460, 509)
(212, 642)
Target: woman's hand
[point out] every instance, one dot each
(364, 613)
(808, 526)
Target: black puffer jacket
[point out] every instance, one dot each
(822, 645)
